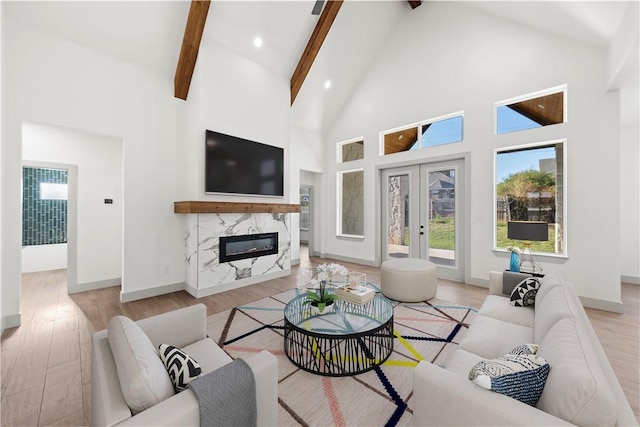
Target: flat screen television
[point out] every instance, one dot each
(239, 166)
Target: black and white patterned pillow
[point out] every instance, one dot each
(520, 376)
(524, 349)
(524, 293)
(181, 367)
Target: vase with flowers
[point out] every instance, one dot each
(514, 260)
(315, 280)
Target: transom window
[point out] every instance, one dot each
(544, 108)
(350, 150)
(429, 133)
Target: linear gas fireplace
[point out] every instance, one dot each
(233, 248)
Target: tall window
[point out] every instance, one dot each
(429, 133)
(351, 203)
(529, 186)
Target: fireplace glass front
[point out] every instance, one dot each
(234, 248)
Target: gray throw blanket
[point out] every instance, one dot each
(511, 279)
(227, 396)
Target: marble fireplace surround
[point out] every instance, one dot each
(206, 222)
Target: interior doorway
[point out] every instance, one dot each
(94, 222)
(306, 229)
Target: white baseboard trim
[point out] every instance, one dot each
(11, 321)
(349, 259)
(295, 261)
(212, 290)
(99, 284)
(151, 292)
(634, 280)
(474, 281)
(615, 307)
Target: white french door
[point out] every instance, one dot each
(423, 215)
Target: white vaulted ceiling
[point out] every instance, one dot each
(149, 34)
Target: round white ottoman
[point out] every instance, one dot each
(408, 279)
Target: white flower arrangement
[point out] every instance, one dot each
(514, 249)
(312, 277)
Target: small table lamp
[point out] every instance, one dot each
(537, 231)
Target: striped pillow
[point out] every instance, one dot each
(181, 367)
(520, 376)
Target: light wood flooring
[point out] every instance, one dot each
(46, 361)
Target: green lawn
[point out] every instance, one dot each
(548, 246)
(442, 233)
(442, 236)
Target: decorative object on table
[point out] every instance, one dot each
(315, 280)
(311, 277)
(320, 299)
(514, 260)
(356, 280)
(528, 231)
(357, 295)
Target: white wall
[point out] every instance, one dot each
(233, 95)
(630, 202)
(429, 68)
(307, 154)
(44, 257)
(14, 318)
(57, 83)
(99, 176)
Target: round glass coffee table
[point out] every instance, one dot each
(346, 340)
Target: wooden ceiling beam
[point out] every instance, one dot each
(190, 47)
(414, 3)
(321, 30)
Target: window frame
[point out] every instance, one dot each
(565, 215)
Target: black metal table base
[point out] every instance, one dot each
(338, 355)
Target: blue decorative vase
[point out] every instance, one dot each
(514, 262)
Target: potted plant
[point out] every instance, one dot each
(315, 281)
(320, 299)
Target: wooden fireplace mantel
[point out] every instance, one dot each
(197, 207)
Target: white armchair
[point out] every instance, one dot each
(184, 328)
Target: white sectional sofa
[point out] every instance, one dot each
(185, 328)
(581, 388)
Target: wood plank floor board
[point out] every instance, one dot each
(56, 318)
(22, 408)
(62, 395)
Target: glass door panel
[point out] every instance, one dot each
(398, 218)
(399, 237)
(441, 211)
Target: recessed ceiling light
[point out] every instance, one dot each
(257, 42)
(327, 84)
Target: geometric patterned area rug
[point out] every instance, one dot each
(423, 331)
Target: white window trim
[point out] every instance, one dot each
(565, 186)
(550, 91)
(339, 176)
(420, 123)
